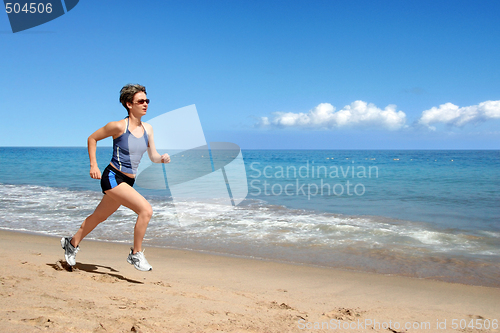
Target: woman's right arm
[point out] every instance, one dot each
(114, 128)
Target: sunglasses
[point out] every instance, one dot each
(141, 101)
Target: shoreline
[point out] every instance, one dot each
(264, 259)
(190, 291)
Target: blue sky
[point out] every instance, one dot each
(263, 74)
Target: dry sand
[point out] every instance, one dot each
(196, 292)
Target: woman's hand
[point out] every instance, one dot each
(95, 173)
(165, 158)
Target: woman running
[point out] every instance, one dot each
(131, 138)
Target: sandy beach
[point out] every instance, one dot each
(197, 292)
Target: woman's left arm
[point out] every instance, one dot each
(154, 156)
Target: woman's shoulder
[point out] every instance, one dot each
(119, 124)
(147, 127)
(116, 128)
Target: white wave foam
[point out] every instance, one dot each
(59, 211)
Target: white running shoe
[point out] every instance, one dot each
(69, 250)
(139, 261)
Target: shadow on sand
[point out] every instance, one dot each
(61, 265)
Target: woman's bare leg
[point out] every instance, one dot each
(106, 207)
(125, 195)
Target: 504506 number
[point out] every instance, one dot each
(33, 8)
(478, 324)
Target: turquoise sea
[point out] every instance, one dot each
(425, 214)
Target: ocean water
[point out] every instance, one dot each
(424, 214)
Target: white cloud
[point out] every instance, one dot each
(451, 114)
(358, 114)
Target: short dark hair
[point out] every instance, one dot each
(128, 92)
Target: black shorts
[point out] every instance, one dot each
(112, 177)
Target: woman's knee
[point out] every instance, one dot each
(146, 212)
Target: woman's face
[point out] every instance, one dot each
(139, 105)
